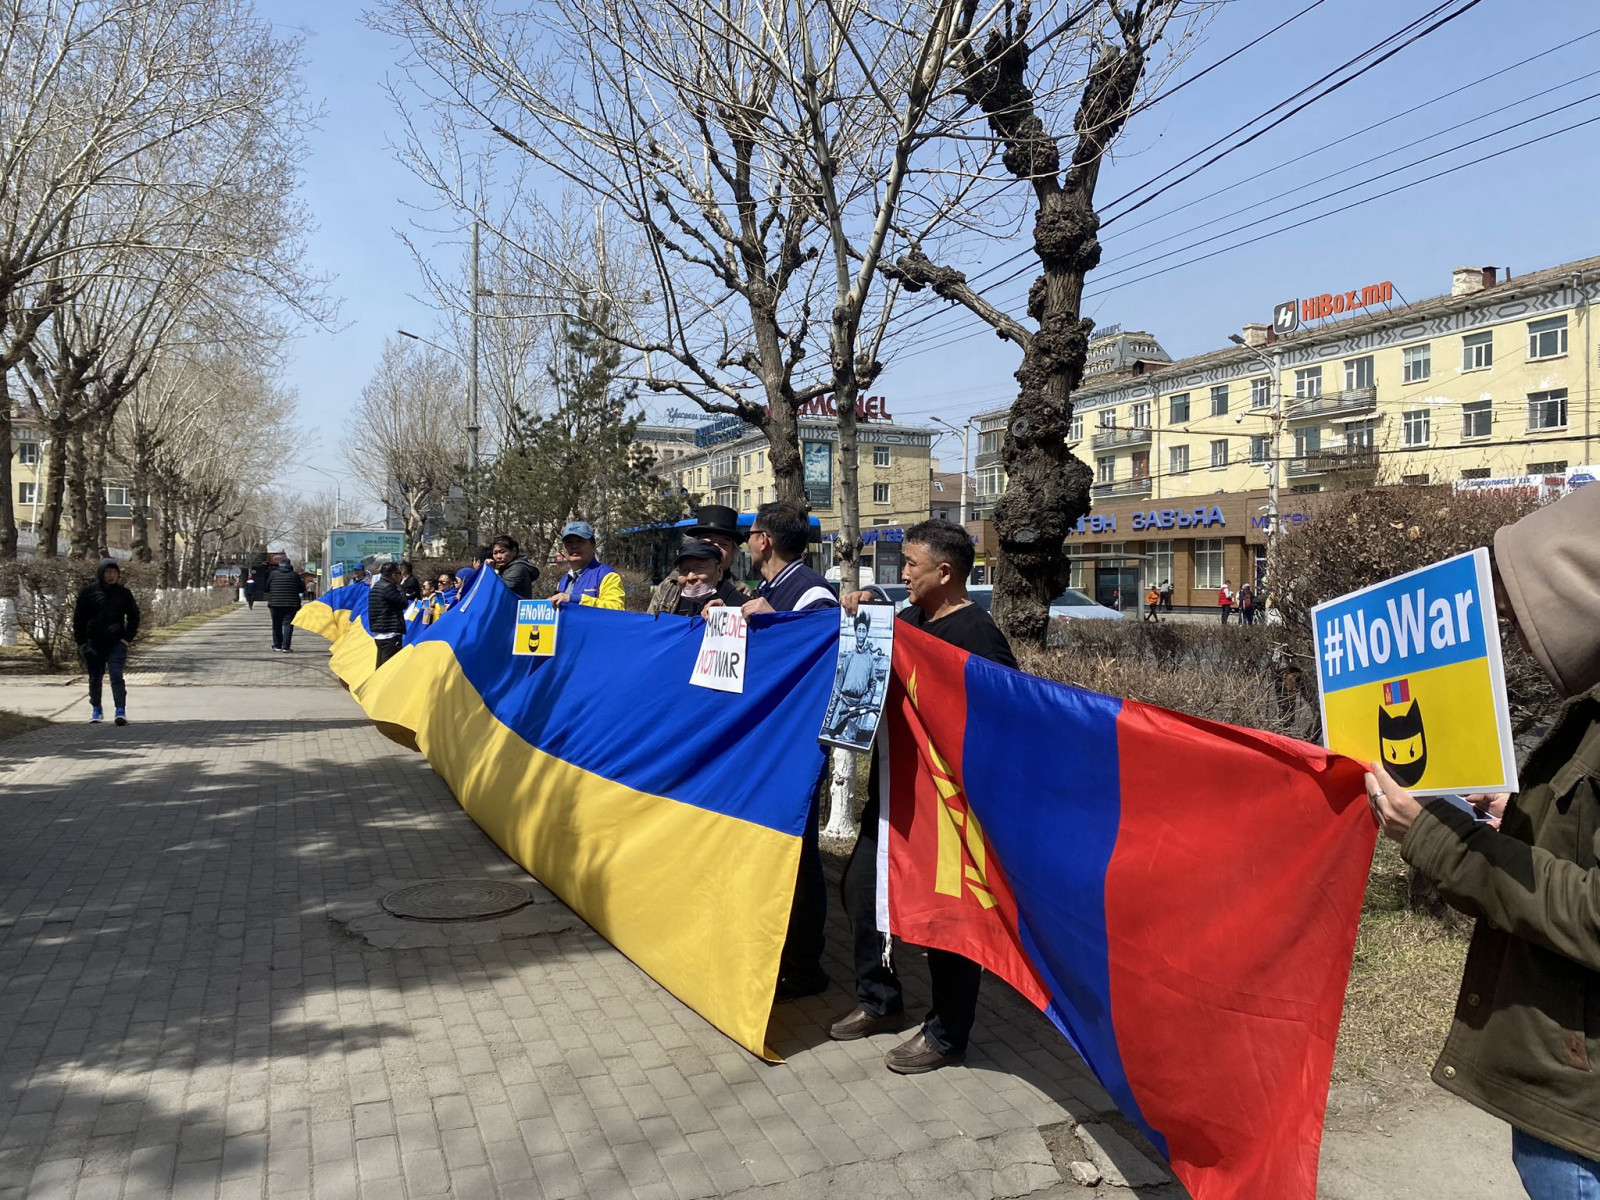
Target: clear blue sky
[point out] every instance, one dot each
(1529, 209)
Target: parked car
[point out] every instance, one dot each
(1073, 605)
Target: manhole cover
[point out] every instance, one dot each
(456, 900)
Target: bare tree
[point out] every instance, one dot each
(410, 428)
(1049, 488)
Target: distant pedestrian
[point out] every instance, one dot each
(386, 611)
(1225, 600)
(104, 623)
(588, 581)
(284, 591)
(515, 571)
(1247, 604)
(409, 584)
(1152, 604)
(1166, 595)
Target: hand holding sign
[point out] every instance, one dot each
(723, 651)
(536, 629)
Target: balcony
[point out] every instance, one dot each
(724, 478)
(1111, 439)
(1335, 405)
(1332, 462)
(1139, 485)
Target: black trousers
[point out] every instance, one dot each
(808, 916)
(282, 626)
(101, 661)
(954, 980)
(387, 649)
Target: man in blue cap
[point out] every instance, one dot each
(588, 580)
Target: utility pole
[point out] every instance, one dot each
(472, 391)
(966, 434)
(1274, 365)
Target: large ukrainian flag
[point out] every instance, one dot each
(667, 816)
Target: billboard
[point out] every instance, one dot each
(817, 458)
(351, 547)
(1410, 675)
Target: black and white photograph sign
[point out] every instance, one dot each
(861, 682)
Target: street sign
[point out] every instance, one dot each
(1410, 675)
(536, 629)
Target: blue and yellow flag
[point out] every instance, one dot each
(667, 816)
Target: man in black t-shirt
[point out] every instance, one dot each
(938, 559)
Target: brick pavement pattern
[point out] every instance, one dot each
(199, 996)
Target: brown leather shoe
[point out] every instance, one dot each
(917, 1056)
(859, 1023)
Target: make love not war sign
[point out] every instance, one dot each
(1410, 676)
(723, 655)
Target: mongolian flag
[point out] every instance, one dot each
(667, 816)
(1179, 897)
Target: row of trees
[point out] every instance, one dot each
(772, 180)
(151, 262)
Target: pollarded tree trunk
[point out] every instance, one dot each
(54, 490)
(139, 497)
(78, 496)
(8, 517)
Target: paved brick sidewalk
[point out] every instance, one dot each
(199, 996)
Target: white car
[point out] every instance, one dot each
(1073, 605)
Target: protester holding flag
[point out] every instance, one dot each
(386, 611)
(719, 525)
(937, 558)
(701, 578)
(588, 581)
(516, 572)
(464, 578)
(1525, 1043)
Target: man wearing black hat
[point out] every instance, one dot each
(702, 578)
(719, 525)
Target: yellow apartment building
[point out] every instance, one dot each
(1491, 380)
(30, 478)
(724, 461)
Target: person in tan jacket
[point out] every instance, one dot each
(1525, 1042)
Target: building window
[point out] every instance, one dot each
(1308, 441)
(880, 456)
(1159, 567)
(747, 499)
(989, 442)
(761, 495)
(1105, 468)
(1178, 408)
(1547, 338)
(1358, 373)
(1559, 467)
(1420, 480)
(880, 493)
(1075, 574)
(1308, 383)
(1360, 435)
(1477, 418)
(116, 496)
(1415, 426)
(1219, 401)
(1208, 563)
(1139, 415)
(991, 480)
(1075, 428)
(747, 464)
(1141, 465)
(1258, 448)
(1178, 460)
(699, 477)
(1261, 393)
(1547, 410)
(1219, 453)
(1416, 362)
(27, 493)
(1477, 351)
(28, 454)
(1474, 472)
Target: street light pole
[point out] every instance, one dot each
(966, 433)
(472, 391)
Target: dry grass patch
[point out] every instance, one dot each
(13, 723)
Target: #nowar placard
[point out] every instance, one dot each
(1411, 676)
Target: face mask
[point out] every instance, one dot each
(700, 591)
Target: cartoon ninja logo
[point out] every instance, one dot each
(1402, 742)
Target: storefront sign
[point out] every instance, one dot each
(1202, 516)
(723, 429)
(1410, 675)
(868, 408)
(1332, 304)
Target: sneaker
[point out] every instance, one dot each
(95, 716)
(288, 649)
(122, 716)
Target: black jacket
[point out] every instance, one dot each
(106, 613)
(284, 587)
(386, 608)
(411, 586)
(519, 575)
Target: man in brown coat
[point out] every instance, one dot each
(714, 523)
(1525, 1043)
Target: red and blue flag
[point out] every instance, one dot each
(1180, 897)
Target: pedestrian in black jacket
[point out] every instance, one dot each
(284, 590)
(516, 572)
(104, 623)
(386, 611)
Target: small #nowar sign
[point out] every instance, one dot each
(1411, 676)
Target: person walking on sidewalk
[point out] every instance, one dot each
(386, 611)
(588, 581)
(1225, 600)
(937, 559)
(104, 623)
(285, 590)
